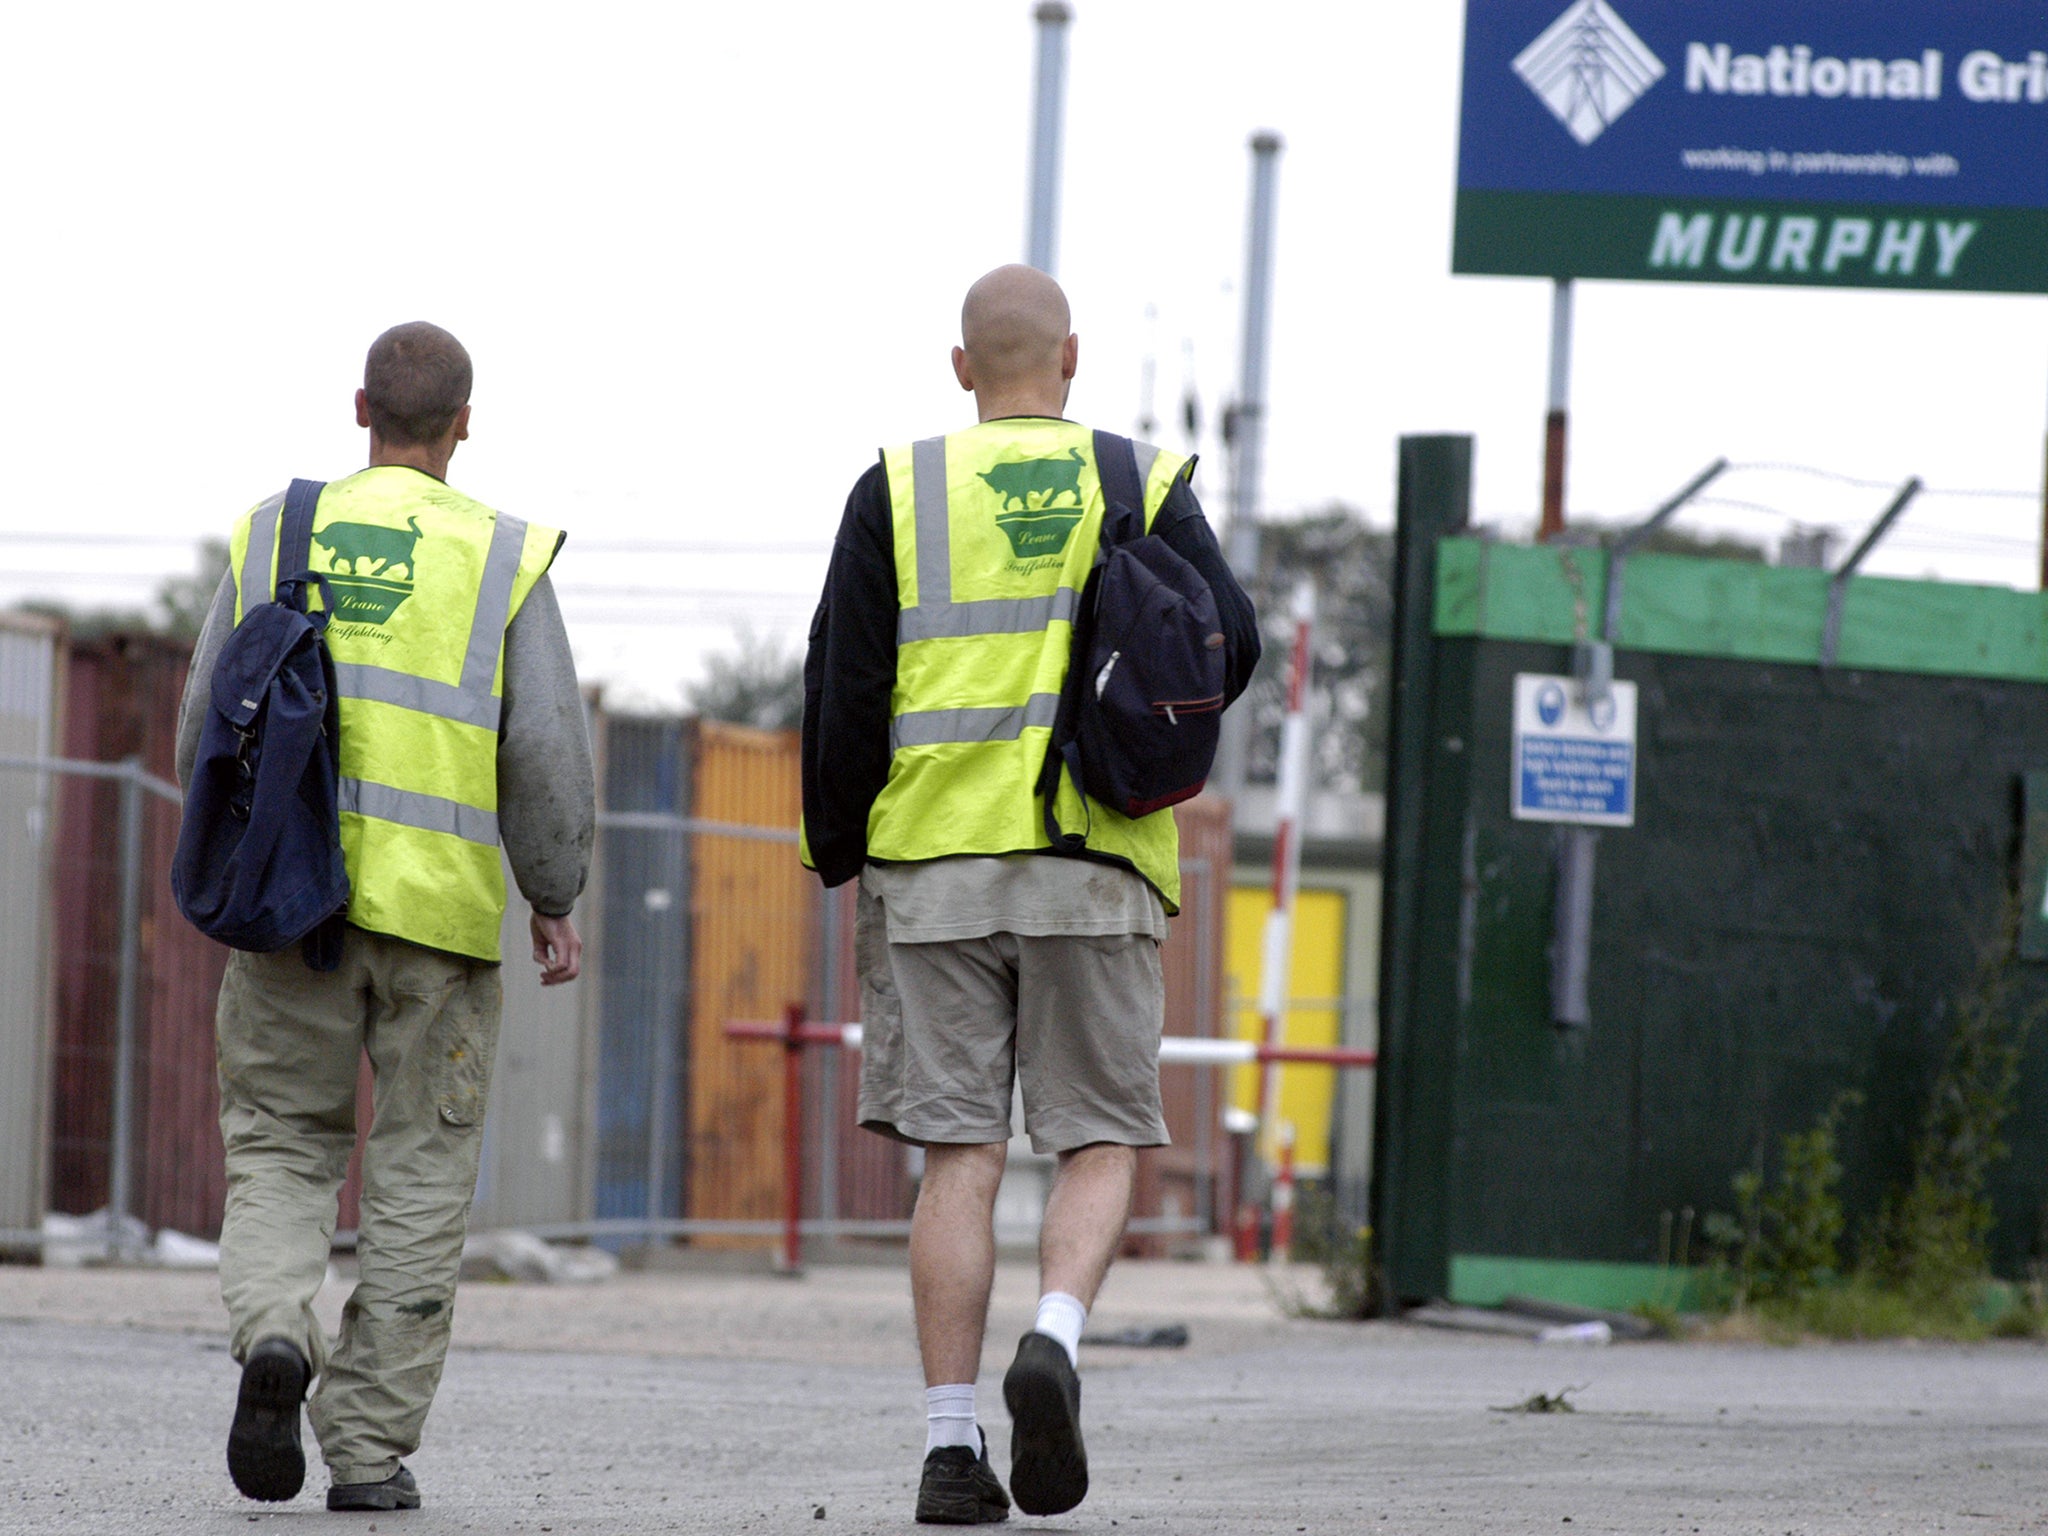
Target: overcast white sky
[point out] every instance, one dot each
(707, 260)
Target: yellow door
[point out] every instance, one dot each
(1315, 992)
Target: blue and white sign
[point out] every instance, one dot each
(1902, 144)
(1575, 758)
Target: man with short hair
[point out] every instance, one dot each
(938, 649)
(461, 725)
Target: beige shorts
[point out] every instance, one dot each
(948, 1028)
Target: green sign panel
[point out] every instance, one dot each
(1727, 240)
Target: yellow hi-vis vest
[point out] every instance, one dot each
(424, 582)
(995, 531)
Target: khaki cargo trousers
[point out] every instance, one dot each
(290, 1040)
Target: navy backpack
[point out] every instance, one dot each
(1139, 717)
(259, 863)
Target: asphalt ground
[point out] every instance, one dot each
(745, 1403)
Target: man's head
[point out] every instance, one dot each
(1017, 351)
(415, 390)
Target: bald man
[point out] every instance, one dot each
(989, 961)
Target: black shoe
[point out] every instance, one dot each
(398, 1491)
(1048, 1467)
(264, 1457)
(960, 1488)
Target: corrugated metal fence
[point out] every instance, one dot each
(31, 657)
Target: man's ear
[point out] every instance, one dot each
(362, 407)
(1070, 355)
(462, 425)
(961, 370)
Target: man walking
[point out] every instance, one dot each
(935, 659)
(461, 725)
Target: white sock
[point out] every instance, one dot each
(949, 1418)
(1062, 1317)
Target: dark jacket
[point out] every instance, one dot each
(850, 667)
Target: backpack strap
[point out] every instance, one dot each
(295, 535)
(1116, 465)
(295, 552)
(321, 947)
(1123, 520)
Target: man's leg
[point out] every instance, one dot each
(432, 1034)
(952, 1269)
(941, 1076)
(288, 1042)
(1089, 1015)
(953, 1257)
(1084, 1221)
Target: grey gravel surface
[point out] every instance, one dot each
(741, 1403)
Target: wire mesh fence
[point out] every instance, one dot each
(621, 1109)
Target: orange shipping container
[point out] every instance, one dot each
(751, 917)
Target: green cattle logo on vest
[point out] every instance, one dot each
(1032, 492)
(361, 560)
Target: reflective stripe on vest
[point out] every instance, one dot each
(982, 638)
(930, 727)
(425, 813)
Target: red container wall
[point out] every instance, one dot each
(871, 1181)
(1179, 1181)
(122, 699)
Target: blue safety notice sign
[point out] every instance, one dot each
(1575, 756)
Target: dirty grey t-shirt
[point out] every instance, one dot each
(1036, 895)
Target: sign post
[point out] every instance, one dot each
(1554, 423)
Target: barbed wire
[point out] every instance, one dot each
(1861, 483)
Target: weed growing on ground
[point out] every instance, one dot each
(1342, 1250)
(1932, 1238)
(1924, 1268)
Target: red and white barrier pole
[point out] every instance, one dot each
(1174, 1050)
(1283, 1199)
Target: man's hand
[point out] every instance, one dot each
(557, 949)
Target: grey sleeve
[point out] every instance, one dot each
(213, 634)
(547, 788)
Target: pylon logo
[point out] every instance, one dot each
(1588, 68)
(363, 560)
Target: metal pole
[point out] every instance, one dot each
(828, 1122)
(1554, 424)
(1571, 959)
(792, 1139)
(1289, 803)
(661, 1065)
(1052, 17)
(122, 1151)
(1249, 412)
(1617, 557)
(1838, 584)
(1246, 421)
